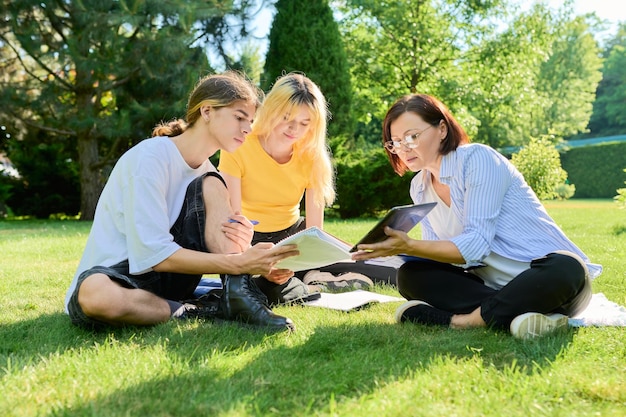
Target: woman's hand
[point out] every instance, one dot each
(398, 242)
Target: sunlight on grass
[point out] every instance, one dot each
(335, 364)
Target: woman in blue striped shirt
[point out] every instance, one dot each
(490, 253)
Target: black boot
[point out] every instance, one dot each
(243, 301)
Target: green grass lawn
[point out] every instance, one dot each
(335, 364)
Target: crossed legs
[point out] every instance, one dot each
(107, 300)
(556, 283)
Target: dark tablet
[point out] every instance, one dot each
(400, 218)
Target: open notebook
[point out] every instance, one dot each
(317, 248)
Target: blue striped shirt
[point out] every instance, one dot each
(498, 210)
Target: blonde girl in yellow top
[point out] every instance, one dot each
(284, 159)
(284, 156)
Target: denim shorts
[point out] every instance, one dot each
(188, 232)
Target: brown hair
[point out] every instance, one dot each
(217, 91)
(433, 112)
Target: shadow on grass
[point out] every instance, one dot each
(28, 340)
(333, 364)
(32, 340)
(619, 230)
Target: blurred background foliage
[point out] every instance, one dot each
(83, 81)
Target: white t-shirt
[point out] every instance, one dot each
(137, 208)
(497, 270)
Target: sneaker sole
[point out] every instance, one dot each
(303, 299)
(400, 310)
(343, 281)
(531, 325)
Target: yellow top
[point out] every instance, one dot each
(270, 192)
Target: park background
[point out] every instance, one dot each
(84, 81)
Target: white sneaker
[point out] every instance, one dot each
(529, 325)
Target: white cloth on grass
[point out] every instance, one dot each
(600, 312)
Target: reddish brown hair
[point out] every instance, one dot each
(433, 112)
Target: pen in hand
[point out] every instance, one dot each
(254, 222)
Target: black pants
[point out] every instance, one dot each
(377, 273)
(556, 283)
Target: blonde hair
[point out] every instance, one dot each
(217, 91)
(290, 91)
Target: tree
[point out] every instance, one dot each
(305, 37)
(500, 77)
(567, 81)
(505, 82)
(608, 116)
(397, 48)
(92, 77)
(535, 78)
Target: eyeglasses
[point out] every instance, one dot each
(409, 142)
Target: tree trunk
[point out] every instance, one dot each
(90, 184)
(87, 142)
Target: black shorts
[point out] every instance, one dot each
(276, 237)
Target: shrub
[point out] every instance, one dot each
(540, 163)
(565, 191)
(366, 184)
(5, 193)
(597, 170)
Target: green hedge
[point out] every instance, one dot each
(597, 171)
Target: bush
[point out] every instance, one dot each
(540, 163)
(565, 191)
(366, 184)
(5, 193)
(48, 181)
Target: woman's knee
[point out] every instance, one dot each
(213, 186)
(570, 257)
(571, 266)
(577, 275)
(408, 281)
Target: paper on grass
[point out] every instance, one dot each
(317, 248)
(352, 300)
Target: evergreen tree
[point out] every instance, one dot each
(305, 37)
(86, 79)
